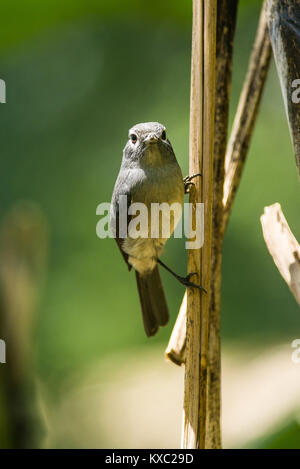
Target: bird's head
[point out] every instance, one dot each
(148, 141)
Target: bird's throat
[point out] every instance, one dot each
(153, 156)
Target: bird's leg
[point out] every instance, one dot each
(184, 280)
(187, 181)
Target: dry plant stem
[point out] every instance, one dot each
(282, 246)
(192, 368)
(246, 115)
(226, 22)
(175, 351)
(210, 20)
(199, 260)
(243, 126)
(283, 18)
(240, 140)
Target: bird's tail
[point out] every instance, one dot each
(153, 301)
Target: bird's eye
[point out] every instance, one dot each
(133, 138)
(164, 135)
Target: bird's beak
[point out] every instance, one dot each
(151, 138)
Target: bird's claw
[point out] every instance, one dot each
(186, 281)
(187, 181)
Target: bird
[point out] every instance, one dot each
(149, 175)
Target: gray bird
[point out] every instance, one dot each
(149, 174)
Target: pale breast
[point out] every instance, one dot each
(161, 190)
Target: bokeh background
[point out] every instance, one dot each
(78, 75)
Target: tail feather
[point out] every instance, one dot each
(153, 301)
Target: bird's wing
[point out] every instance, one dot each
(115, 211)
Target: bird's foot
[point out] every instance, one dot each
(187, 283)
(188, 182)
(183, 280)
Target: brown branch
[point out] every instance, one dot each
(283, 21)
(227, 10)
(192, 369)
(199, 260)
(282, 246)
(175, 351)
(228, 181)
(246, 115)
(226, 21)
(240, 138)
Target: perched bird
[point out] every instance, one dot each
(149, 175)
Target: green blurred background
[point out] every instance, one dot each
(78, 75)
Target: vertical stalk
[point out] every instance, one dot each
(227, 174)
(226, 22)
(199, 260)
(245, 118)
